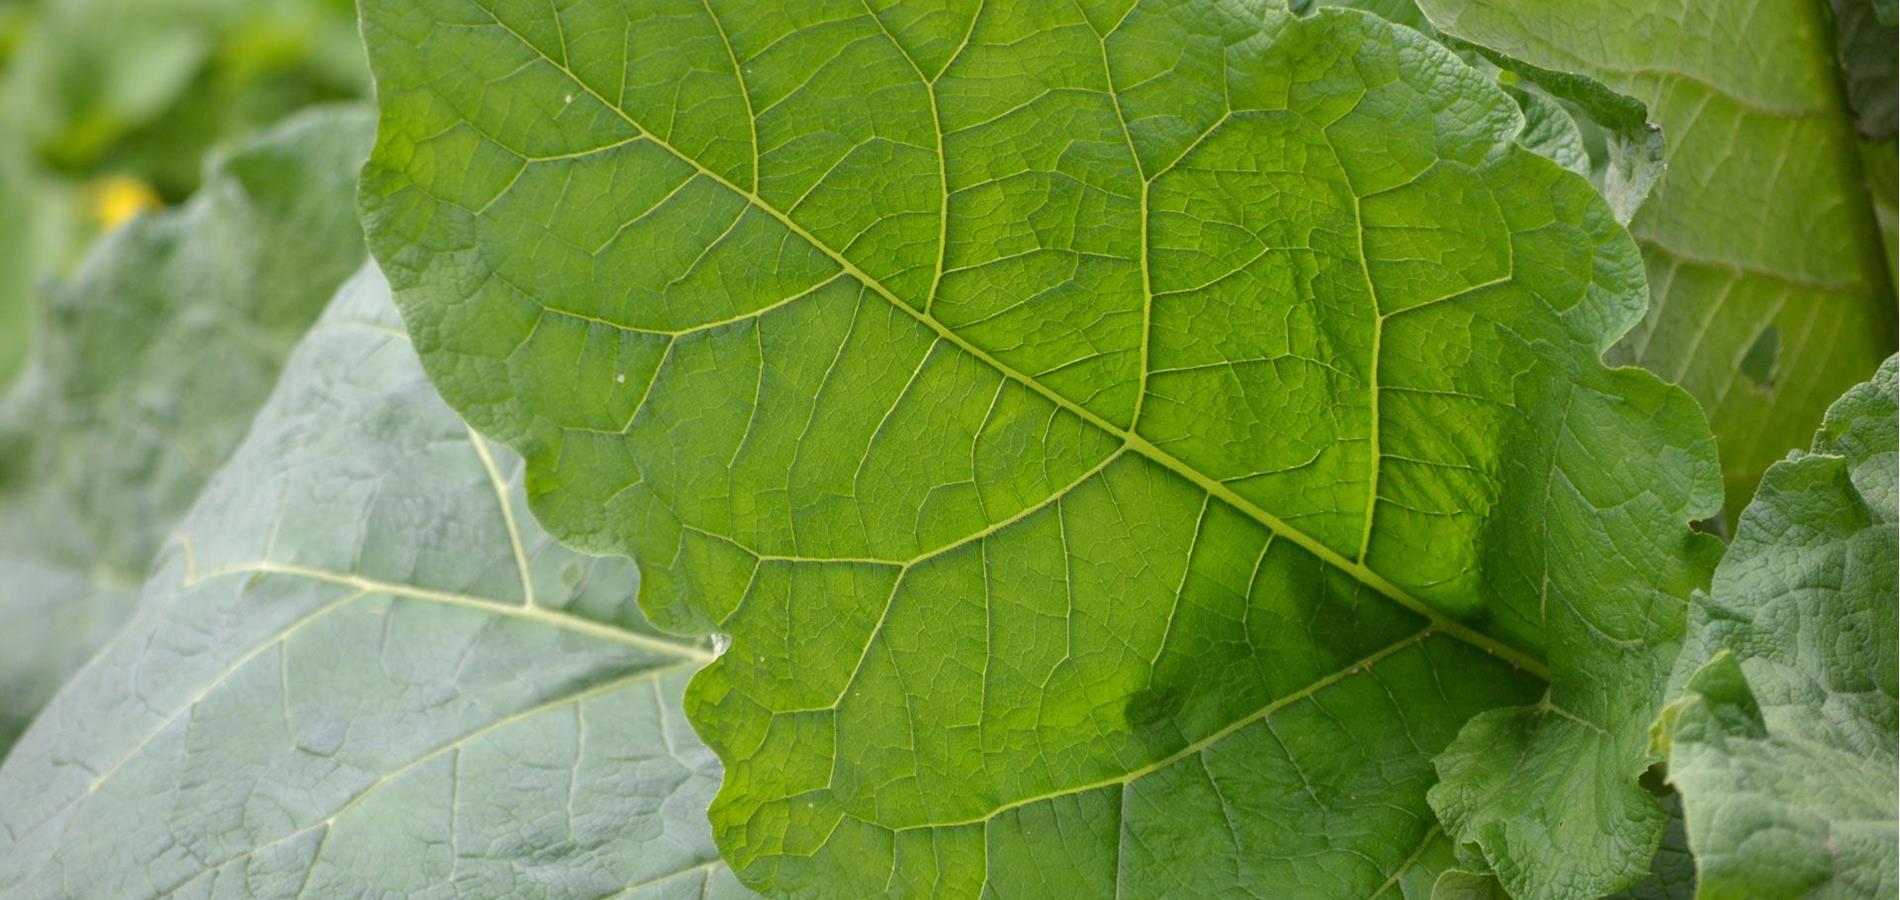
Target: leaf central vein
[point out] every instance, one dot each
(1130, 439)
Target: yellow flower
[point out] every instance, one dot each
(115, 199)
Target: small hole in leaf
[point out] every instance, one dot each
(1759, 362)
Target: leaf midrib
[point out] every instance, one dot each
(1130, 440)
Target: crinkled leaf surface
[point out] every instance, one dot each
(1771, 293)
(1672, 870)
(362, 670)
(1548, 128)
(1783, 745)
(1124, 442)
(1630, 147)
(145, 372)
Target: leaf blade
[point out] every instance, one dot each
(1746, 256)
(144, 376)
(519, 727)
(823, 454)
(1781, 736)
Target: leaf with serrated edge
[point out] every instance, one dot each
(1782, 743)
(361, 669)
(1002, 383)
(1771, 290)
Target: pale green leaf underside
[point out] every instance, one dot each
(1783, 745)
(150, 363)
(361, 670)
(1771, 293)
(1106, 431)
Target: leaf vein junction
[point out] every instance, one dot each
(1130, 439)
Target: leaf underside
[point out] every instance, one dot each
(1783, 743)
(144, 376)
(360, 669)
(1105, 431)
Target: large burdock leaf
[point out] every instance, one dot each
(361, 670)
(1125, 443)
(144, 374)
(1771, 289)
(1783, 741)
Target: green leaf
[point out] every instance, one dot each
(1549, 129)
(1124, 445)
(1417, 877)
(1869, 70)
(144, 376)
(1771, 293)
(1461, 884)
(1882, 162)
(1633, 146)
(1672, 871)
(1783, 741)
(361, 670)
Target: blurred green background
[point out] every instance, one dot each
(113, 107)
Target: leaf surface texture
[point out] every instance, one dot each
(1105, 430)
(361, 669)
(1782, 743)
(1771, 290)
(145, 372)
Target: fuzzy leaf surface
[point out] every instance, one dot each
(1783, 742)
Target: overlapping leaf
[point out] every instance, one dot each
(1868, 66)
(1771, 293)
(1783, 745)
(1125, 442)
(1549, 129)
(144, 376)
(359, 669)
